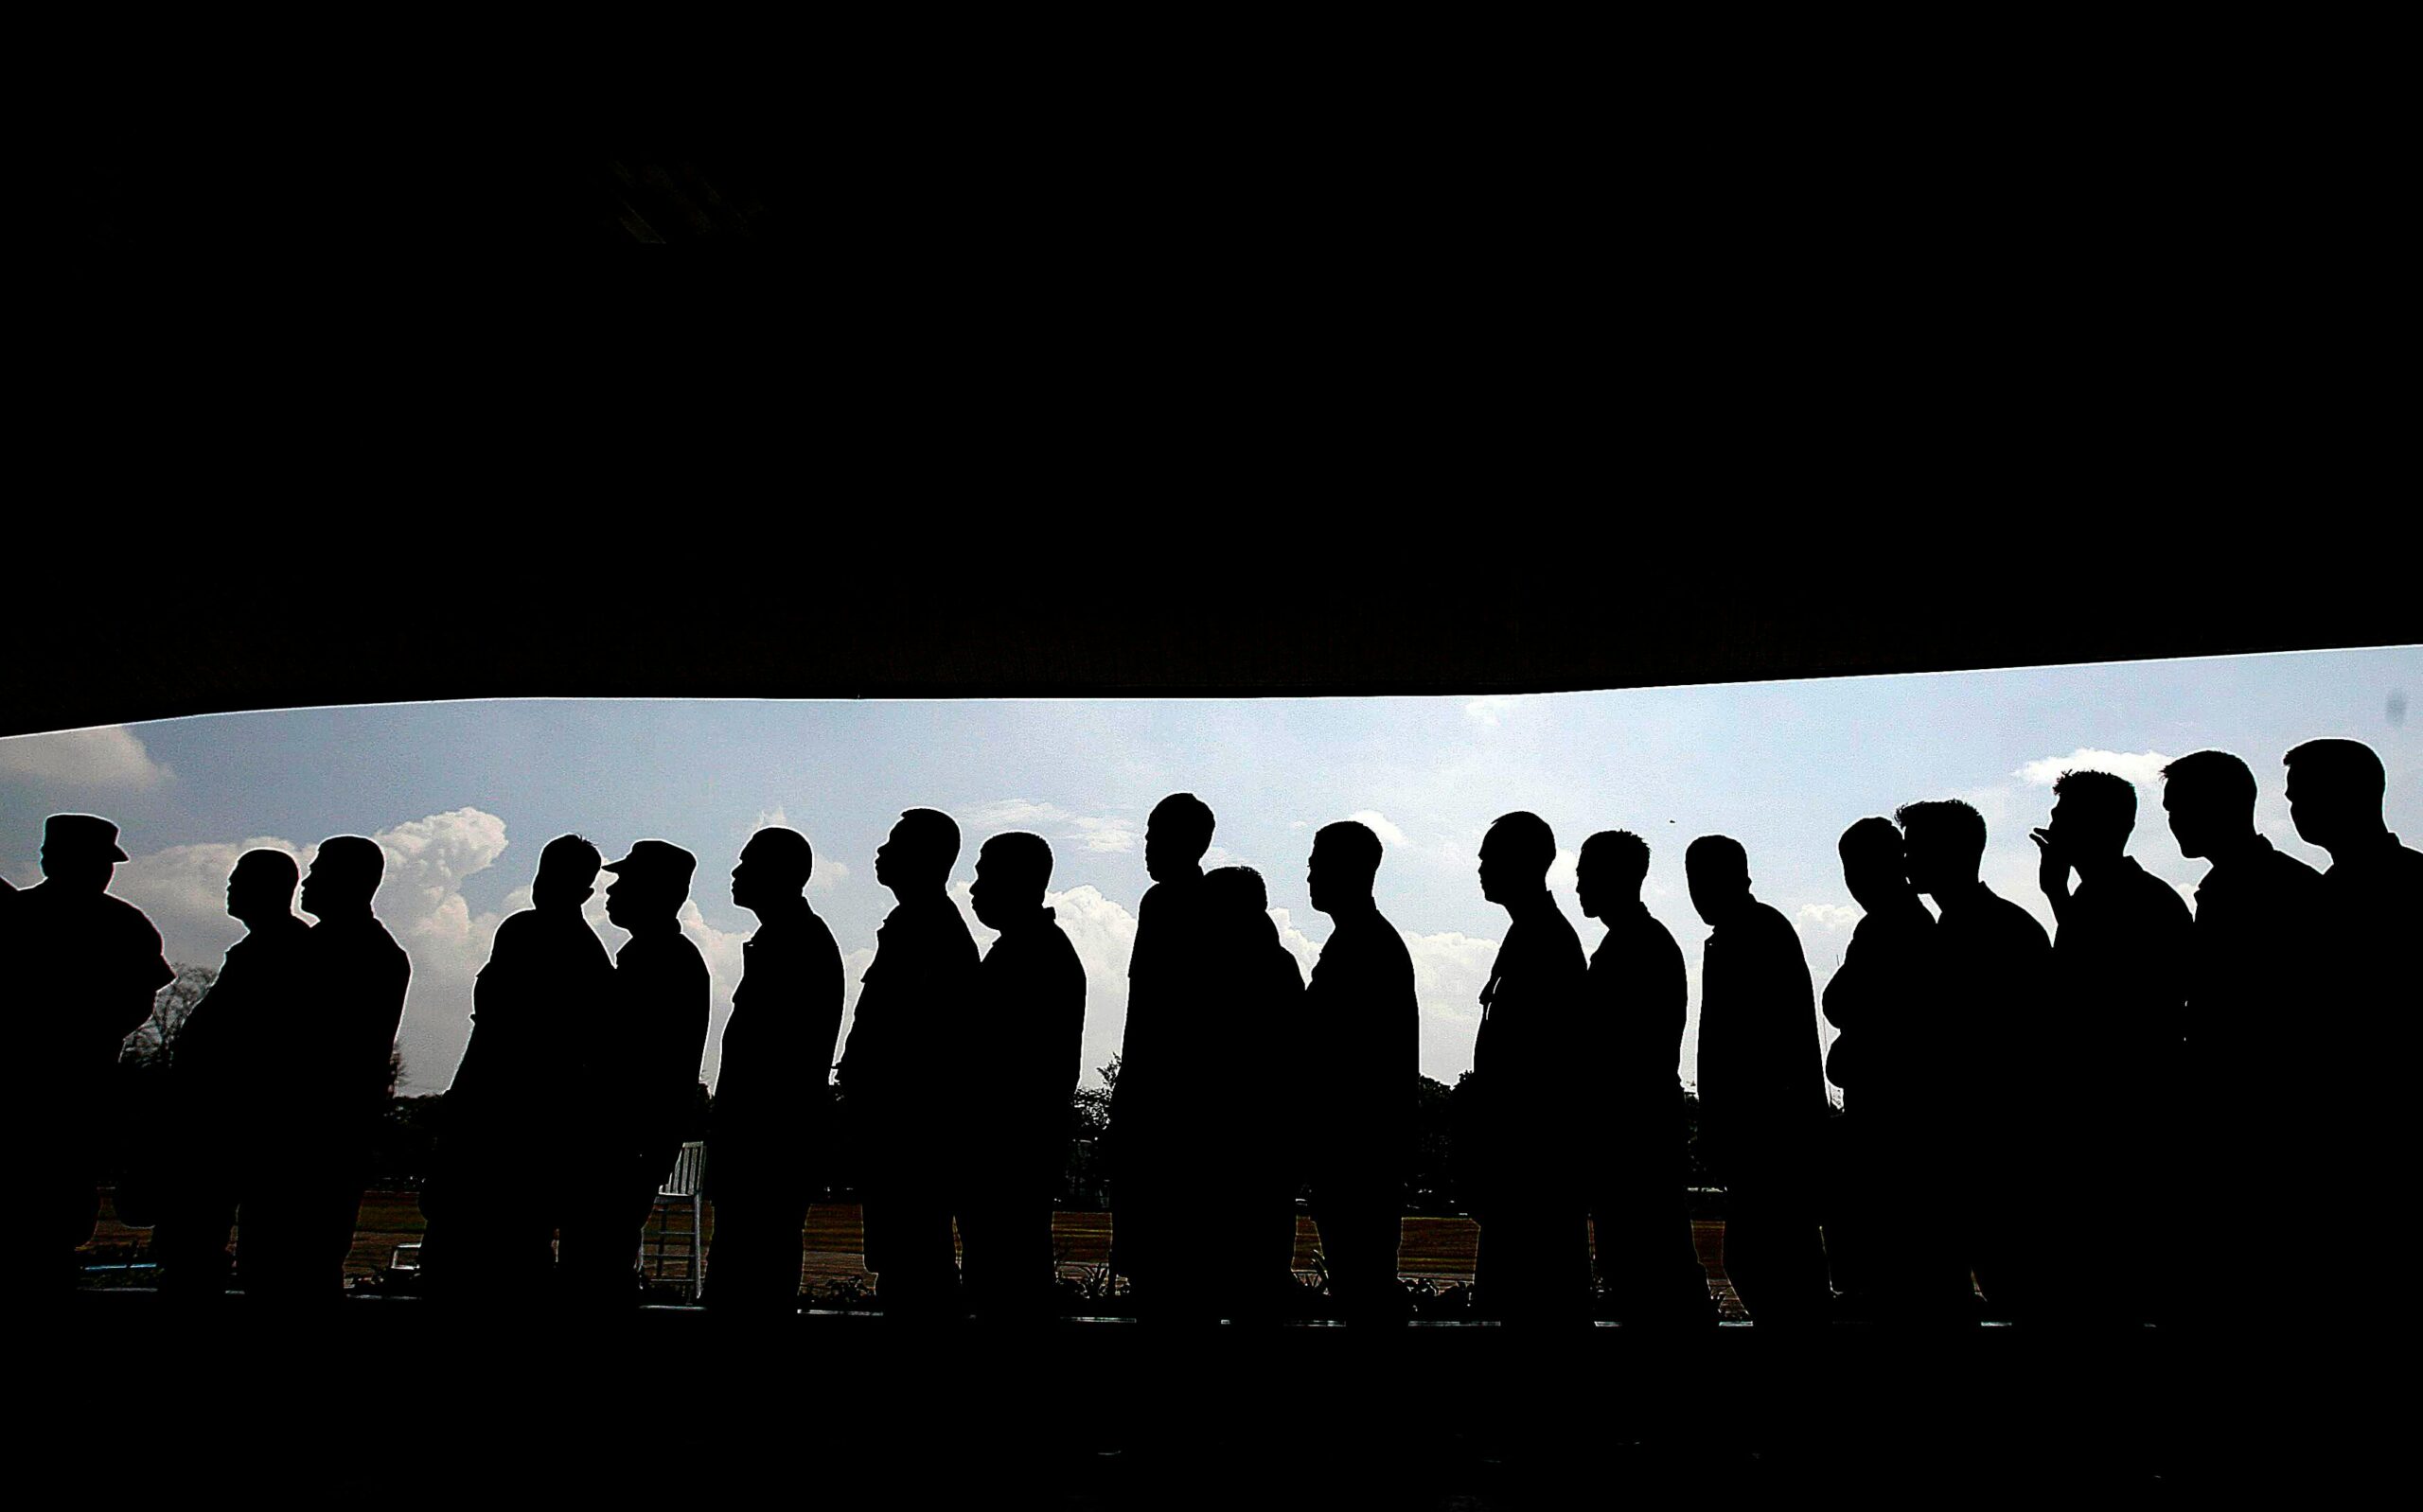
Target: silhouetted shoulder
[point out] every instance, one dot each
(2006, 918)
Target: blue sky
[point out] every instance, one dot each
(464, 795)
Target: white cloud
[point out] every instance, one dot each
(1090, 831)
(1378, 823)
(1488, 712)
(1828, 915)
(109, 757)
(1449, 971)
(1563, 872)
(2142, 767)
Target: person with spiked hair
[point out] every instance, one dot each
(912, 1008)
(498, 1192)
(1362, 1031)
(772, 1115)
(2121, 960)
(1639, 1000)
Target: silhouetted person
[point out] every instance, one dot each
(1022, 1059)
(87, 966)
(1638, 1000)
(1362, 1062)
(2121, 965)
(332, 1065)
(214, 1136)
(1887, 1230)
(1251, 978)
(2259, 950)
(503, 1150)
(773, 1119)
(1156, 1163)
(901, 1073)
(2372, 896)
(1762, 1096)
(646, 1077)
(1523, 1124)
(1995, 975)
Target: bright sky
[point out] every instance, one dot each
(464, 795)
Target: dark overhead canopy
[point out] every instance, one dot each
(427, 634)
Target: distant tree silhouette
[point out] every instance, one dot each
(153, 1045)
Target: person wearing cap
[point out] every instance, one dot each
(494, 1201)
(1023, 1058)
(644, 1077)
(331, 1069)
(912, 1002)
(214, 1087)
(773, 1096)
(87, 966)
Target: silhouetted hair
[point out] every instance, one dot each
(1236, 888)
(2110, 801)
(1021, 860)
(1872, 833)
(2214, 774)
(1353, 846)
(2350, 764)
(1185, 819)
(932, 837)
(789, 855)
(352, 862)
(1946, 820)
(1622, 851)
(1530, 844)
(1717, 854)
(572, 859)
(278, 861)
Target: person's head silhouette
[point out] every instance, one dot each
(1718, 870)
(262, 887)
(1945, 841)
(1012, 871)
(1175, 836)
(2335, 790)
(1874, 866)
(2093, 815)
(917, 859)
(568, 869)
(649, 886)
(1608, 875)
(1516, 856)
(1345, 862)
(343, 877)
(774, 870)
(1237, 892)
(79, 851)
(2209, 797)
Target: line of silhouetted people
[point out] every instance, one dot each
(2044, 1121)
